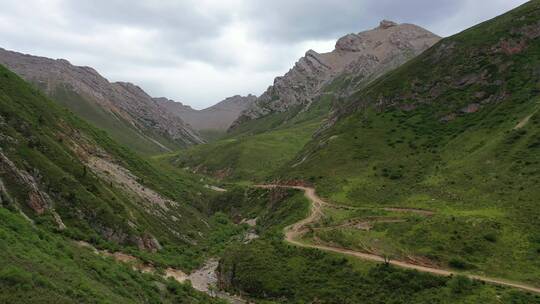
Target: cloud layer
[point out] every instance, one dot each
(201, 51)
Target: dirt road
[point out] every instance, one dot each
(296, 230)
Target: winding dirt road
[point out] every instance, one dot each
(294, 231)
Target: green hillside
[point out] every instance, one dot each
(119, 129)
(270, 271)
(37, 266)
(257, 148)
(72, 178)
(454, 131)
(433, 166)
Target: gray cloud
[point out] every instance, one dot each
(289, 21)
(185, 19)
(201, 51)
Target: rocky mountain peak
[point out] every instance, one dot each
(312, 53)
(385, 24)
(63, 61)
(367, 55)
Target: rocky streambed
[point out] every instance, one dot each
(204, 279)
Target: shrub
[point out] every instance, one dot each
(16, 277)
(490, 237)
(460, 284)
(458, 263)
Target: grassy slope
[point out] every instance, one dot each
(120, 130)
(273, 272)
(477, 172)
(33, 128)
(257, 148)
(37, 266)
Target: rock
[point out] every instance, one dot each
(512, 46)
(4, 195)
(480, 94)
(385, 24)
(471, 108)
(449, 117)
(362, 56)
(407, 107)
(58, 220)
(217, 117)
(148, 242)
(120, 100)
(37, 200)
(250, 236)
(112, 235)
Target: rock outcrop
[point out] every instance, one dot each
(83, 90)
(217, 117)
(364, 56)
(37, 200)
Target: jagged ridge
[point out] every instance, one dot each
(365, 55)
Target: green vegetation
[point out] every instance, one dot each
(250, 157)
(436, 162)
(257, 148)
(455, 131)
(212, 135)
(273, 209)
(37, 266)
(49, 143)
(116, 127)
(271, 271)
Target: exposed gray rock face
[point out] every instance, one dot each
(365, 56)
(119, 100)
(217, 117)
(149, 113)
(37, 200)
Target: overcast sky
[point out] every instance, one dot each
(201, 51)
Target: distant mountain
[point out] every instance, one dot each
(356, 60)
(218, 117)
(124, 110)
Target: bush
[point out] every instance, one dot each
(460, 284)
(490, 237)
(16, 277)
(459, 263)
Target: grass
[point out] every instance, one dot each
(211, 135)
(257, 148)
(404, 141)
(269, 271)
(475, 171)
(117, 127)
(37, 266)
(36, 134)
(247, 157)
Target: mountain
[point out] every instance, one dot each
(280, 122)
(66, 186)
(455, 132)
(218, 117)
(356, 59)
(434, 163)
(124, 110)
(416, 185)
(54, 164)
